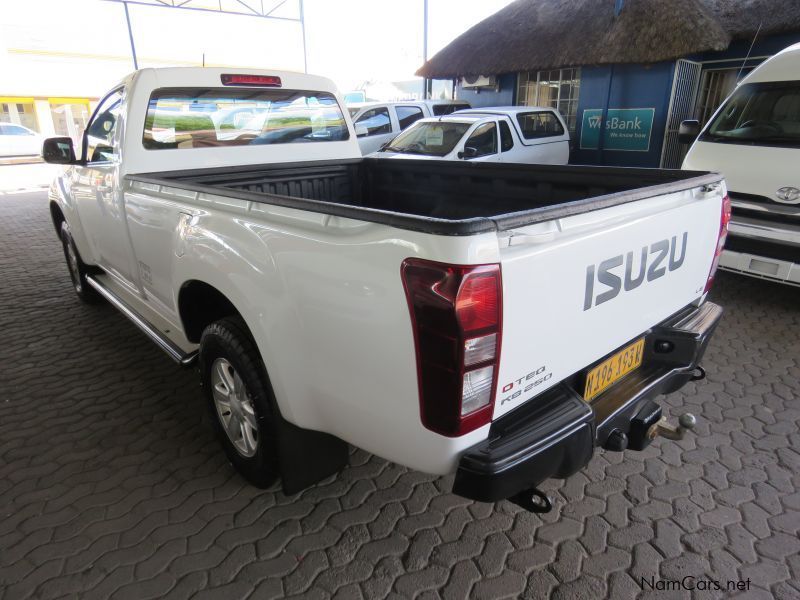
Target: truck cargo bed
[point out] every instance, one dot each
(435, 196)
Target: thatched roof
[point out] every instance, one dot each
(741, 18)
(541, 34)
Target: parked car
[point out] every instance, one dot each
(448, 316)
(512, 134)
(17, 140)
(379, 122)
(754, 140)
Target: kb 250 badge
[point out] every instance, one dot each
(525, 384)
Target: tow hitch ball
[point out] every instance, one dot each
(664, 428)
(532, 500)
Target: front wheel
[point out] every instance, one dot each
(240, 399)
(77, 268)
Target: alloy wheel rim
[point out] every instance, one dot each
(234, 407)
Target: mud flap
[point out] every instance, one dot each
(306, 457)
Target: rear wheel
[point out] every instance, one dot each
(78, 270)
(240, 399)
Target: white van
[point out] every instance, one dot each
(753, 139)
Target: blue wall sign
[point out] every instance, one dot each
(626, 129)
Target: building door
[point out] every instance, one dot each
(681, 106)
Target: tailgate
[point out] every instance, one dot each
(567, 299)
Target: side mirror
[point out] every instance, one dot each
(361, 131)
(58, 151)
(468, 152)
(688, 131)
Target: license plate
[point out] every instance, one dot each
(611, 370)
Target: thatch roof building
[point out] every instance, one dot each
(654, 61)
(543, 34)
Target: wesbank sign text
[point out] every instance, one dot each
(625, 129)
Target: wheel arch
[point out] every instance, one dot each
(199, 305)
(57, 216)
(304, 456)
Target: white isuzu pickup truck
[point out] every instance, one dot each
(498, 321)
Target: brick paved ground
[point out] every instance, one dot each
(111, 484)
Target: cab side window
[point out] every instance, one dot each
(99, 145)
(407, 115)
(539, 124)
(376, 121)
(484, 140)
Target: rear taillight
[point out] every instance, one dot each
(724, 219)
(456, 316)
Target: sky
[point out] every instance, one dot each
(74, 45)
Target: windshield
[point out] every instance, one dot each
(759, 113)
(212, 117)
(430, 139)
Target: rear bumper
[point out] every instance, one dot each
(762, 259)
(555, 434)
(765, 246)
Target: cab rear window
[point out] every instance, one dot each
(183, 118)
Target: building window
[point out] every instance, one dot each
(15, 110)
(715, 86)
(556, 88)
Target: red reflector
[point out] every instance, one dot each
(252, 80)
(724, 219)
(476, 302)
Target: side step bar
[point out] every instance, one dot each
(162, 341)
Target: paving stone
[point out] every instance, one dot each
(113, 486)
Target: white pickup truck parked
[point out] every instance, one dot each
(514, 134)
(497, 321)
(379, 122)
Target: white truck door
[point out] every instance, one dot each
(510, 144)
(98, 194)
(380, 129)
(483, 144)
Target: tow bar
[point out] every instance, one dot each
(664, 428)
(533, 500)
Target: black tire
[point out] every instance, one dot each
(228, 341)
(78, 270)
